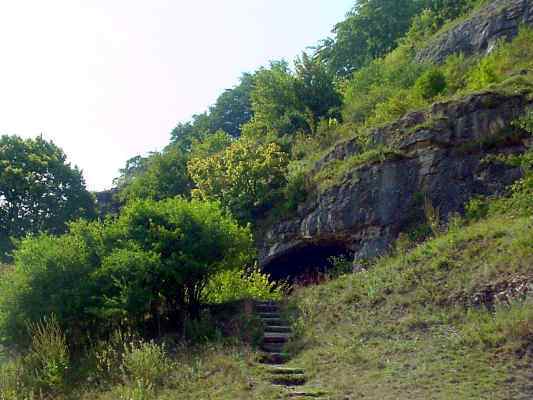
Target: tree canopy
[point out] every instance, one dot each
(153, 261)
(246, 177)
(39, 190)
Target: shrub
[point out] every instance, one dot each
(485, 73)
(379, 82)
(295, 192)
(49, 355)
(107, 356)
(525, 122)
(156, 256)
(146, 362)
(456, 69)
(430, 84)
(339, 266)
(477, 208)
(50, 275)
(233, 285)
(202, 330)
(505, 60)
(13, 380)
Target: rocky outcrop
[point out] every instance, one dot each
(107, 203)
(441, 158)
(500, 19)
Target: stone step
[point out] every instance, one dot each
(266, 308)
(272, 347)
(266, 303)
(266, 315)
(272, 321)
(304, 394)
(277, 329)
(289, 380)
(285, 371)
(273, 358)
(276, 337)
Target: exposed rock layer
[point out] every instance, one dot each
(443, 153)
(500, 19)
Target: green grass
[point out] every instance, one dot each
(336, 171)
(408, 328)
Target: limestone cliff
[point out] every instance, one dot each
(499, 20)
(441, 155)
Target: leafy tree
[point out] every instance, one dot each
(194, 240)
(39, 190)
(154, 260)
(370, 30)
(211, 145)
(164, 175)
(315, 87)
(246, 177)
(52, 275)
(134, 166)
(233, 108)
(184, 134)
(277, 108)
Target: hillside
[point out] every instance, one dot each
(356, 225)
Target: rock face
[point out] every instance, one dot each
(441, 159)
(500, 19)
(106, 203)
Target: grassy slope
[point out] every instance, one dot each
(217, 372)
(408, 329)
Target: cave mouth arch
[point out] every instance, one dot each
(306, 260)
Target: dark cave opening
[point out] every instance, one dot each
(307, 262)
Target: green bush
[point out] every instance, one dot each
(43, 370)
(505, 60)
(49, 355)
(339, 266)
(233, 285)
(431, 84)
(14, 380)
(202, 330)
(377, 83)
(519, 199)
(525, 122)
(155, 256)
(146, 362)
(456, 69)
(476, 209)
(50, 275)
(247, 177)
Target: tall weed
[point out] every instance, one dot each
(48, 357)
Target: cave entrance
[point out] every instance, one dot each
(308, 262)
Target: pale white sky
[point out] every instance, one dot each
(109, 79)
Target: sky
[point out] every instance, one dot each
(109, 79)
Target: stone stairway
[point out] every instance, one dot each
(276, 335)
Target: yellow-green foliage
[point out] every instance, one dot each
(233, 285)
(502, 62)
(246, 177)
